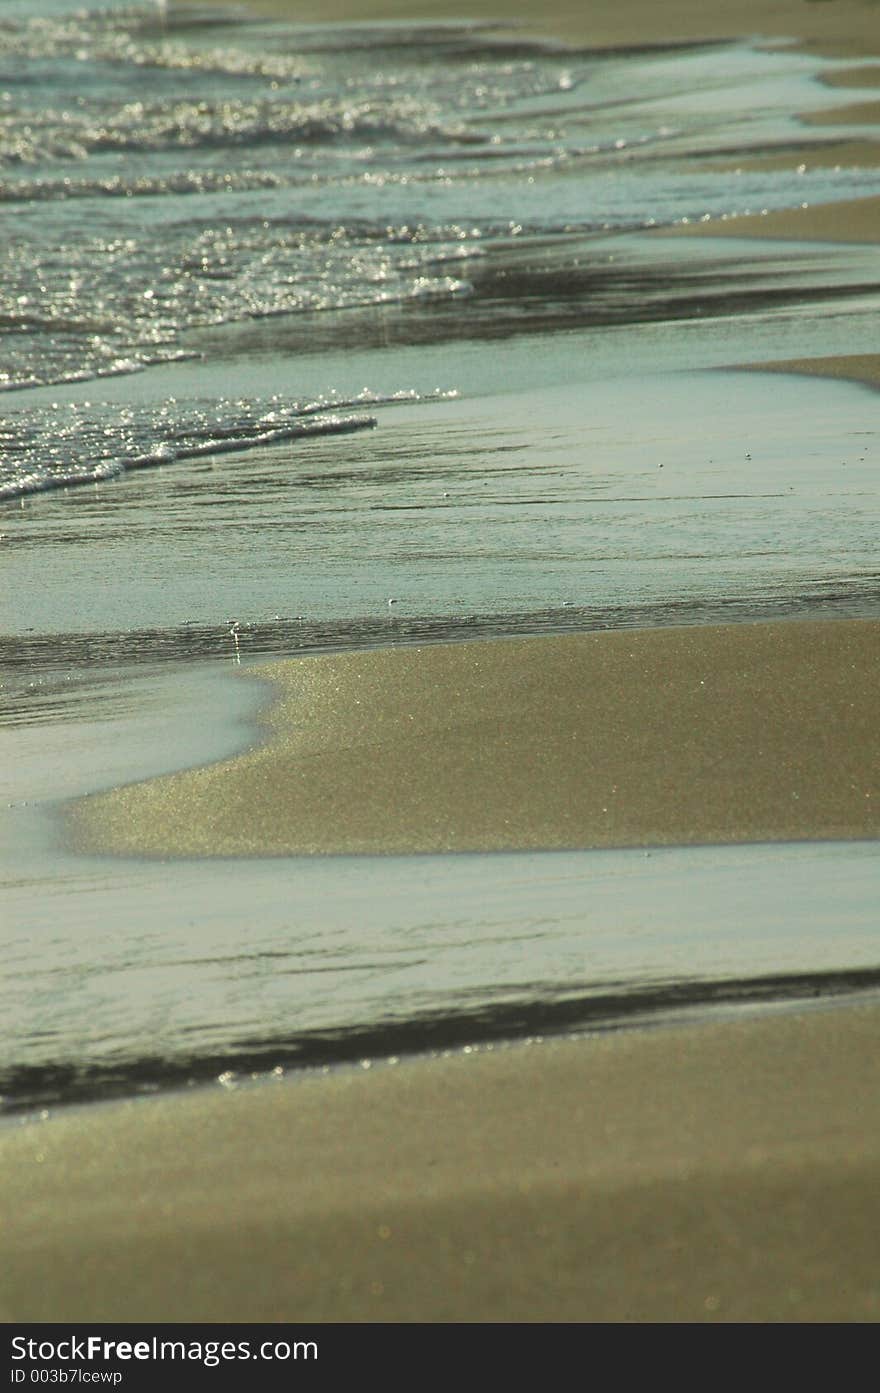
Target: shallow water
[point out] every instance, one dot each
(126, 975)
(534, 510)
(167, 177)
(388, 316)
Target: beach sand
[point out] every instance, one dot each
(849, 367)
(722, 1170)
(746, 732)
(850, 220)
(844, 28)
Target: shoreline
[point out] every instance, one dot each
(863, 368)
(723, 1170)
(854, 220)
(710, 734)
(720, 1171)
(847, 28)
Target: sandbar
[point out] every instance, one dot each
(850, 220)
(865, 113)
(741, 732)
(860, 75)
(862, 152)
(848, 367)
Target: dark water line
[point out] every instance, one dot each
(26, 655)
(26, 1088)
(115, 467)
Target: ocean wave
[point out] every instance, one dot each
(92, 306)
(134, 36)
(141, 128)
(181, 182)
(63, 445)
(299, 171)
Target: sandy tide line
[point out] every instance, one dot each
(850, 220)
(844, 27)
(726, 1171)
(849, 367)
(748, 732)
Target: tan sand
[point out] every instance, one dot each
(715, 1172)
(851, 367)
(865, 113)
(725, 1171)
(845, 28)
(850, 220)
(861, 153)
(747, 732)
(862, 75)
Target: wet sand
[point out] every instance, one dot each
(849, 367)
(865, 113)
(862, 152)
(720, 1171)
(844, 28)
(850, 220)
(860, 75)
(724, 1171)
(746, 732)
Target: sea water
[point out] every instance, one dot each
(315, 338)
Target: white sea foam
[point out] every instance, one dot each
(265, 172)
(65, 444)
